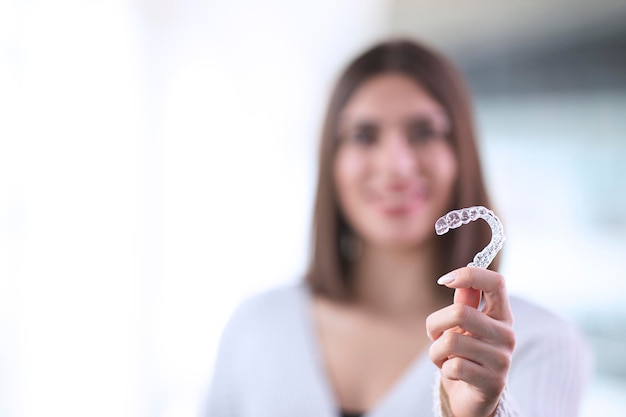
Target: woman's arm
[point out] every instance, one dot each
(223, 394)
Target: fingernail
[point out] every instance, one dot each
(446, 279)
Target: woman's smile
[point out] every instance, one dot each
(399, 201)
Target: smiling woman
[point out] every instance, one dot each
(370, 331)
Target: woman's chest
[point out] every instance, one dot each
(364, 360)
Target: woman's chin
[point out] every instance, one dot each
(401, 241)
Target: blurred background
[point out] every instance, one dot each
(157, 165)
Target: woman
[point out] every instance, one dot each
(372, 331)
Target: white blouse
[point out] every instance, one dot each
(269, 364)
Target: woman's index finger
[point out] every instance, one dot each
(489, 282)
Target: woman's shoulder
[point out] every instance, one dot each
(272, 301)
(538, 328)
(536, 319)
(526, 311)
(271, 309)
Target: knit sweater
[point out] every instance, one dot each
(269, 364)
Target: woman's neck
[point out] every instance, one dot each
(398, 282)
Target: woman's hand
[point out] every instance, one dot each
(473, 348)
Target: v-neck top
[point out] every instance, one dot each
(350, 414)
(270, 364)
(412, 390)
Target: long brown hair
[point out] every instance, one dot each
(328, 269)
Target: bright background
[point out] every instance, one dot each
(157, 164)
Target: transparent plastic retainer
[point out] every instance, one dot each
(457, 218)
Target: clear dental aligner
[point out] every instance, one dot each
(456, 218)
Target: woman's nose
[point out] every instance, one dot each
(397, 156)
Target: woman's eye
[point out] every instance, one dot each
(364, 135)
(422, 132)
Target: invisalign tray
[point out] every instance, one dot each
(457, 218)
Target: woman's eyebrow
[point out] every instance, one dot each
(351, 119)
(431, 114)
(436, 118)
(347, 122)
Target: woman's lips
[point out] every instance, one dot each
(400, 203)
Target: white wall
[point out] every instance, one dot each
(156, 167)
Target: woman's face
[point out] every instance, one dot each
(395, 169)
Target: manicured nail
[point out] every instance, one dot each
(446, 279)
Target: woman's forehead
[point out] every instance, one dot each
(390, 96)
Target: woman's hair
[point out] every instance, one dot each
(328, 269)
